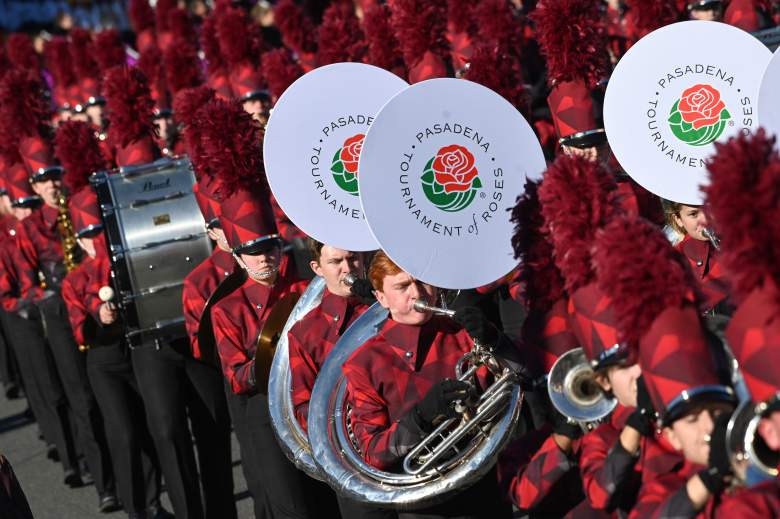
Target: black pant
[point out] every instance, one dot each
(9, 370)
(351, 509)
(72, 368)
(284, 484)
(42, 384)
(171, 383)
(237, 406)
(134, 459)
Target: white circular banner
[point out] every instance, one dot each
(674, 93)
(769, 97)
(312, 144)
(440, 166)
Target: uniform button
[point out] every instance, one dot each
(227, 273)
(259, 306)
(409, 354)
(336, 317)
(699, 263)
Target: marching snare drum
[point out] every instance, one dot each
(156, 236)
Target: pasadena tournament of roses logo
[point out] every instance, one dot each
(345, 164)
(450, 180)
(699, 116)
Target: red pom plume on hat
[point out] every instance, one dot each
(79, 153)
(281, 70)
(217, 69)
(60, 63)
(743, 199)
(86, 67)
(161, 10)
(241, 46)
(572, 37)
(15, 178)
(382, 48)
(578, 199)
(131, 111)
(498, 25)
(743, 14)
(182, 66)
(460, 30)
(150, 63)
(645, 17)
(142, 20)
(22, 54)
(26, 112)
(339, 36)
(298, 32)
(5, 63)
(420, 27)
(109, 51)
(181, 26)
(652, 286)
(500, 71)
(546, 333)
(232, 152)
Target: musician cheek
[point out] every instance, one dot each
(48, 190)
(769, 430)
(692, 220)
(621, 382)
(398, 294)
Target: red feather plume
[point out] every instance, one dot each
(5, 63)
(420, 26)
(81, 48)
(180, 25)
(532, 246)
(382, 46)
(79, 153)
(231, 146)
(209, 42)
(340, 37)
(182, 65)
(641, 272)
(498, 70)
(280, 70)
(649, 16)
(235, 39)
(109, 49)
(497, 24)
(59, 62)
(141, 15)
(577, 198)
(129, 105)
(22, 53)
(460, 15)
(298, 32)
(186, 106)
(162, 9)
(23, 107)
(744, 201)
(572, 37)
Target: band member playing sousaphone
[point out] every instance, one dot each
(400, 382)
(232, 151)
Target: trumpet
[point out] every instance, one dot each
(751, 459)
(574, 392)
(712, 237)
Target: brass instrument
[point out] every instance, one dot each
(70, 247)
(751, 459)
(269, 337)
(712, 237)
(574, 392)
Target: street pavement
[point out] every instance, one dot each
(41, 479)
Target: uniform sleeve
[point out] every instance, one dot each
(304, 373)
(606, 467)
(26, 258)
(534, 481)
(382, 442)
(193, 304)
(9, 287)
(77, 312)
(237, 365)
(664, 497)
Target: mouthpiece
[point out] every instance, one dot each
(349, 280)
(422, 307)
(712, 237)
(106, 294)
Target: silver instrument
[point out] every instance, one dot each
(458, 453)
(574, 392)
(289, 432)
(751, 459)
(156, 236)
(712, 237)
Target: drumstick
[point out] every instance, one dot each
(106, 294)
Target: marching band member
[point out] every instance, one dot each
(400, 386)
(744, 186)
(174, 385)
(232, 151)
(40, 253)
(95, 325)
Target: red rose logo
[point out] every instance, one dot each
(701, 106)
(454, 168)
(350, 153)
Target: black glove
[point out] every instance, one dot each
(719, 467)
(476, 325)
(563, 426)
(644, 417)
(363, 290)
(437, 404)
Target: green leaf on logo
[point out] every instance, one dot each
(337, 167)
(676, 117)
(344, 179)
(477, 183)
(725, 115)
(450, 202)
(428, 177)
(689, 135)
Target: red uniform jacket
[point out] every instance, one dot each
(238, 320)
(703, 259)
(40, 250)
(10, 286)
(391, 373)
(198, 287)
(310, 341)
(665, 497)
(760, 501)
(80, 291)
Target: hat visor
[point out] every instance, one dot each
(695, 397)
(586, 139)
(259, 245)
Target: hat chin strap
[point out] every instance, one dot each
(256, 274)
